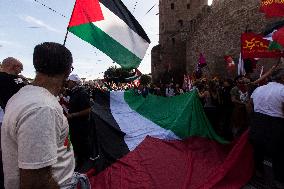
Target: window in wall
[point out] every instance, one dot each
(172, 6)
(173, 40)
(188, 6)
(180, 23)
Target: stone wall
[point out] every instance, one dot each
(218, 34)
(175, 17)
(212, 30)
(156, 62)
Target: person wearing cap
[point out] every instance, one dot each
(78, 118)
(35, 143)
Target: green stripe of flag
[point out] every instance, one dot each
(183, 114)
(274, 46)
(98, 38)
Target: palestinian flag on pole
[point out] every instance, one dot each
(136, 76)
(124, 119)
(109, 26)
(275, 34)
(158, 142)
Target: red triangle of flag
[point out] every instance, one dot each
(86, 11)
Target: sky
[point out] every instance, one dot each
(26, 23)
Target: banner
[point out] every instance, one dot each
(202, 61)
(272, 8)
(110, 27)
(255, 46)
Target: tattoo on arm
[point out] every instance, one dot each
(37, 178)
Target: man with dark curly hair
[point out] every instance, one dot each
(35, 144)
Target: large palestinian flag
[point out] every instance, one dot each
(109, 26)
(159, 142)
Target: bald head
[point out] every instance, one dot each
(12, 66)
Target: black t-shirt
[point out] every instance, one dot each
(9, 85)
(226, 97)
(79, 100)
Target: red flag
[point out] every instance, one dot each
(278, 36)
(196, 163)
(255, 46)
(202, 61)
(272, 8)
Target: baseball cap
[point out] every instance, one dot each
(75, 78)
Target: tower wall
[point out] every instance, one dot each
(190, 27)
(219, 33)
(175, 17)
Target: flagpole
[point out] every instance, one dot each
(65, 37)
(68, 25)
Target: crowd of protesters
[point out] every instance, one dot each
(231, 106)
(226, 102)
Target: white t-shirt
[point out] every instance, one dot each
(170, 92)
(269, 99)
(35, 135)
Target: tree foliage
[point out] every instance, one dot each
(145, 80)
(116, 74)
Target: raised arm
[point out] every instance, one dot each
(268, 73)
